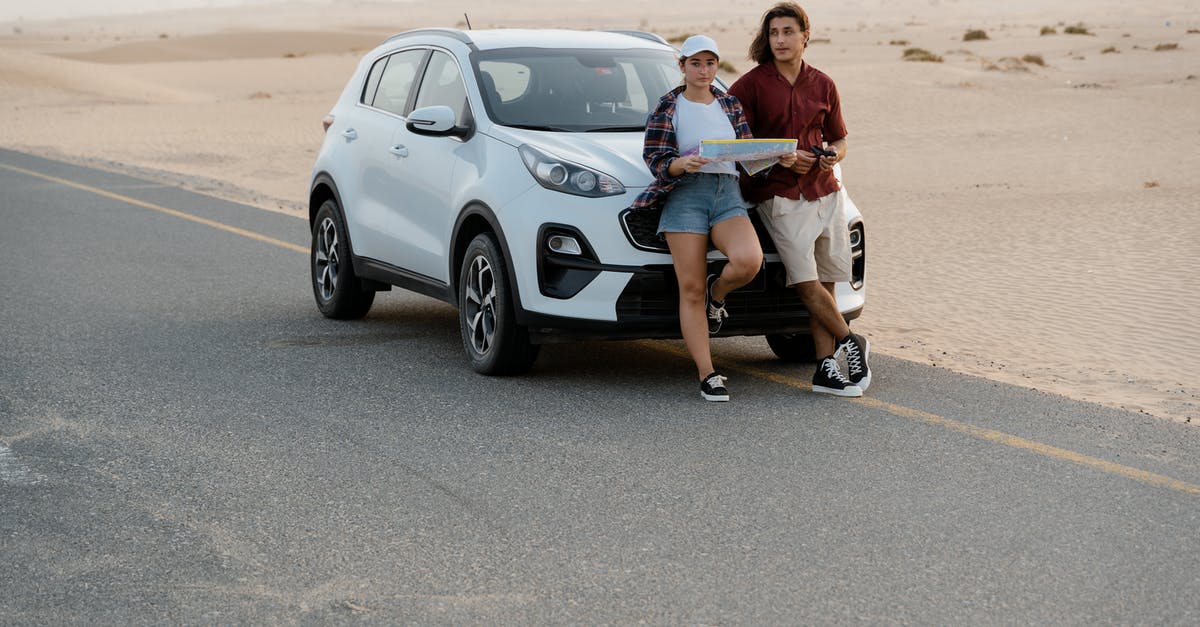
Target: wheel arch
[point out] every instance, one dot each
(323, 189)
(474, 219)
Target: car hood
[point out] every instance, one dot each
(616, 154)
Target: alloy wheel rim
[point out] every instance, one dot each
(480, 308)
(327, 262)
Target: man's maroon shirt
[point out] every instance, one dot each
(808, 110)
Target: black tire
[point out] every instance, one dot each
(338, 290)
(495, 344)
(793, 347)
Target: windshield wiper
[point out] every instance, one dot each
(617, 129)
(539, 127)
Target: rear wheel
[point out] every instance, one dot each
(793, 347)
(495, 344)
(338, 290)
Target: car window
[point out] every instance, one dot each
(635, 90)
(443, 85)
(368, 93)
(574, 90)
(503, 81)
(395, 81)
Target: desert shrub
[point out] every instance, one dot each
(1162, 47)
(921, 54)
(1049, 30)
(1034, 59)
(974, 35)
(1078, 29)
(1109, 50)
(898, 42)
(678, 39)
(1006, 64)
(726, 66)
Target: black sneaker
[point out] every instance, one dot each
(858, 351)
(712, 388)
(829, 380)
(714, 309)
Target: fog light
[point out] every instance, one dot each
(564, 245)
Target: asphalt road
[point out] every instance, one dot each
(184, 439)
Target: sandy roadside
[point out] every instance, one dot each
(1031, 199)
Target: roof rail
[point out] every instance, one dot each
(449, 32)
(640, 34)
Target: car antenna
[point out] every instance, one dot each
(468, 21)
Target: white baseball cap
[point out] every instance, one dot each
(697, 44)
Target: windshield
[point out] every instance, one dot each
(574, 90)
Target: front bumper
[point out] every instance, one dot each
(577, 296)
(648, 307)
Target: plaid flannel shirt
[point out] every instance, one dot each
(661, 147)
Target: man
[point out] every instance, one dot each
(800, 205)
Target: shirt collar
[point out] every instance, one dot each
(802, 76)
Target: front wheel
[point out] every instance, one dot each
(338, 290)
(494, 342)
(793, 347)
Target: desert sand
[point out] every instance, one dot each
(1031, 199)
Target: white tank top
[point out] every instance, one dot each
(694, 122)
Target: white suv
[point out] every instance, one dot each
(493, 170)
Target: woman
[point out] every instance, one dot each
(700, 199)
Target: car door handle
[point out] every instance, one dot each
(398, 150)
(350, 134)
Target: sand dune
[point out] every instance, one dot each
(234, 45)
(1031, 199)
(26, 75)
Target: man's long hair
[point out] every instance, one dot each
(760, 48)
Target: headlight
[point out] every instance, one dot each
(566, 177)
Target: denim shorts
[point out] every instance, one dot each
(699, 200)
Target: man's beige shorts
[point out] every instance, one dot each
(811, 236)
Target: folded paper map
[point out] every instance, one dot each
(755, 155)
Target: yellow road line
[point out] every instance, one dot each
(981, 433)
(897, 410)
(171, 212)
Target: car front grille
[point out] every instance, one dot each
(655, 294)
(640, 228)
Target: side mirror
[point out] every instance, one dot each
(434, 120)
